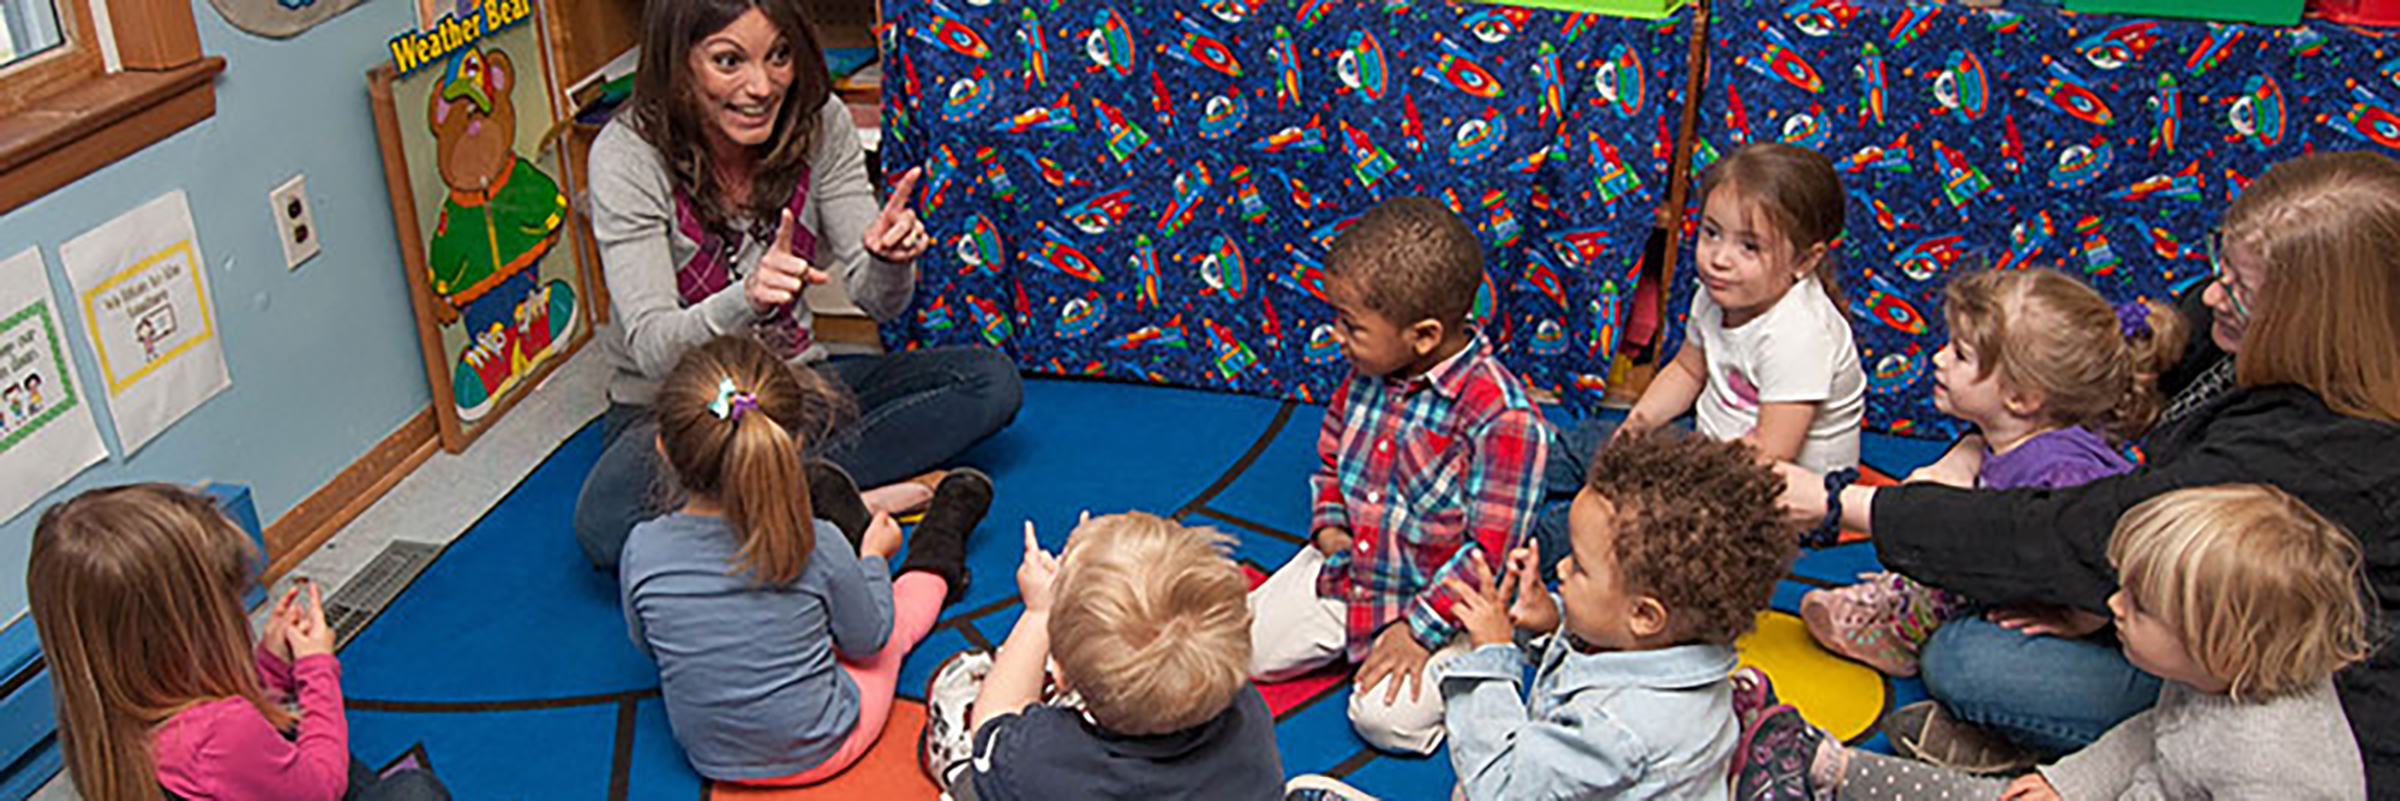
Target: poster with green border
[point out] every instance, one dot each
(46, 430)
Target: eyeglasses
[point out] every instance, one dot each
(2219, 273)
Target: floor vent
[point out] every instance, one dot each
(364, 596)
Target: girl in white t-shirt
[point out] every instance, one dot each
(1769, 357)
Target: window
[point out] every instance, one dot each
(63, 113)
(27, 28)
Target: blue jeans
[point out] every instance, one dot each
(2051, 694)
(917, 409)
(1562, 480)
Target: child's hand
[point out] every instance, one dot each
(1036, 574)
(2030, 787)
(2038, 619)
(1331, 540)
(276, 635)
(310, 635)
(1398, 656)
(1482, 605)
(881, 538)
(1534, 609)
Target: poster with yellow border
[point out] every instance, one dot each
(143, 291)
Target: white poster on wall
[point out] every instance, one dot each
(46, 432)
(144, 296)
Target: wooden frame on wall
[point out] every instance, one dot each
(498, 280)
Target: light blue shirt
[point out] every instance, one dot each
(748, 672)
(1618, 724)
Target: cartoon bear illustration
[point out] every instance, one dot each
(501, 216)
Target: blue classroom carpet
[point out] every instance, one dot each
(506, 664)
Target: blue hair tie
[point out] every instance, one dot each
(731, 401)
(2133, 319)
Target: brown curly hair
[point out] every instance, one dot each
(1698, 528)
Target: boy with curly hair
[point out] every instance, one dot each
(1677, 543)
(1432, 460)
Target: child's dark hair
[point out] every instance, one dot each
(1411, 259)
(1699, 527)
(2093, 364)
(732, 420)
(1796, 190)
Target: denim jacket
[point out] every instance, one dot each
(1619, 724)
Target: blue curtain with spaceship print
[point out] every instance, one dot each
(1146, 189)
(2101, 145)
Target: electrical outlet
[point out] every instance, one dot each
(295, 221)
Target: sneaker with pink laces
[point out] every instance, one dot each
(1881, 621)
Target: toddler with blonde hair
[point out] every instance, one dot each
(2246, 602)
(1146, 622)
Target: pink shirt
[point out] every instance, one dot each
(224, 749)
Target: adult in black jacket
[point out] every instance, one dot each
(2307, 298)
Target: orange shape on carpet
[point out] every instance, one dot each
(888, 771)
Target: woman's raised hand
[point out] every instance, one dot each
(782, 274)
(897, 236)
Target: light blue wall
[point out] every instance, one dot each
(324, 360)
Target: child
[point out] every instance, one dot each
(1431, 453)
(2246, 602)
(2049, 374)
(1147, 624)
(137, 595)
(1769, 357)
(1677, 543)
(777, 643)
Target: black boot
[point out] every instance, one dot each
(939, 545)
(835, 499)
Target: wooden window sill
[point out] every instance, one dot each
(77, 130)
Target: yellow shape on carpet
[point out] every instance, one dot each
(1843, 696)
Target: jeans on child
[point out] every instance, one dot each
(1562, 479)
(1293, 632)
(2051, 694)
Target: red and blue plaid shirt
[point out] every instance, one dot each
(1425, 473)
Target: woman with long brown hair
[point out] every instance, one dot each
(2307, 299)
(733, 182)
(137, 594)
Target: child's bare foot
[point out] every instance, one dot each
(897, 500)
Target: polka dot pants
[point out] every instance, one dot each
(1875, 777)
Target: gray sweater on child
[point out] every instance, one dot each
(633, 217)
(2293, 747)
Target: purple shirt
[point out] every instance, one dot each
(2061, 457)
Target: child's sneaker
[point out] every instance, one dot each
(1753, 694)
(949, 738)
(1772, 761)
(1881, 621)
(1319, 787)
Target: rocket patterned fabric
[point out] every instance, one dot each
(2101, 145)
(1146, 189)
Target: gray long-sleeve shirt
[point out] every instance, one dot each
(748, 672)
(633, 218)
(2294, 747)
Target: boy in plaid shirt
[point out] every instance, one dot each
(1432, 457)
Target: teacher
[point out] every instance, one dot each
(2306, 297)
(733, 183)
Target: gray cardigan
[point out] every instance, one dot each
(2293, 747)
(633, 217)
